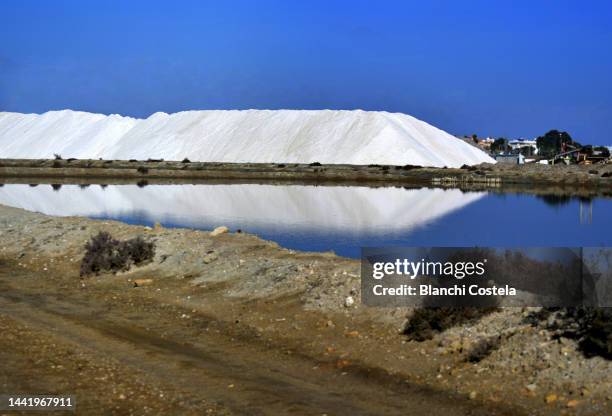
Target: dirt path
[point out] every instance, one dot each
(119, 363)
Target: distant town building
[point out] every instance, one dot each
(510, 159)
(485, 144)
(519, 144)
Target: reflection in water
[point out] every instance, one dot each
(337, 218)
(586, 205)
(555, 200)
(586, 211)
(248, 206)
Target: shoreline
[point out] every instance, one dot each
(595, 178)
(562, 190)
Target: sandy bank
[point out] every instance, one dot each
(264, 300)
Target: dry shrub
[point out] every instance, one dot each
(590, 327)
(425, 323)
(482, 349)
(104, 253)
(597, 338)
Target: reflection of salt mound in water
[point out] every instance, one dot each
(294, 136)
(249, 206)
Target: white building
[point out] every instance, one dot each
(522, 143)
(510, 159)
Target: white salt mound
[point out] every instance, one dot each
(266, 136)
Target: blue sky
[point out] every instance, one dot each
(502, 68)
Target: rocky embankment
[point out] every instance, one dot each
(305, 305)
(593, 177)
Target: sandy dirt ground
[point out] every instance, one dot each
(233, 324)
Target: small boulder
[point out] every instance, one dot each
(342, 363)
(210, 257)
(219, 230)
(572, 403)
(142, 282)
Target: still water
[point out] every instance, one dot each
(338, 218)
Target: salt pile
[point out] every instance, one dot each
(69, 133)
(266, 136)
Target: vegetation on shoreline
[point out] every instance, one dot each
(104, 253)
